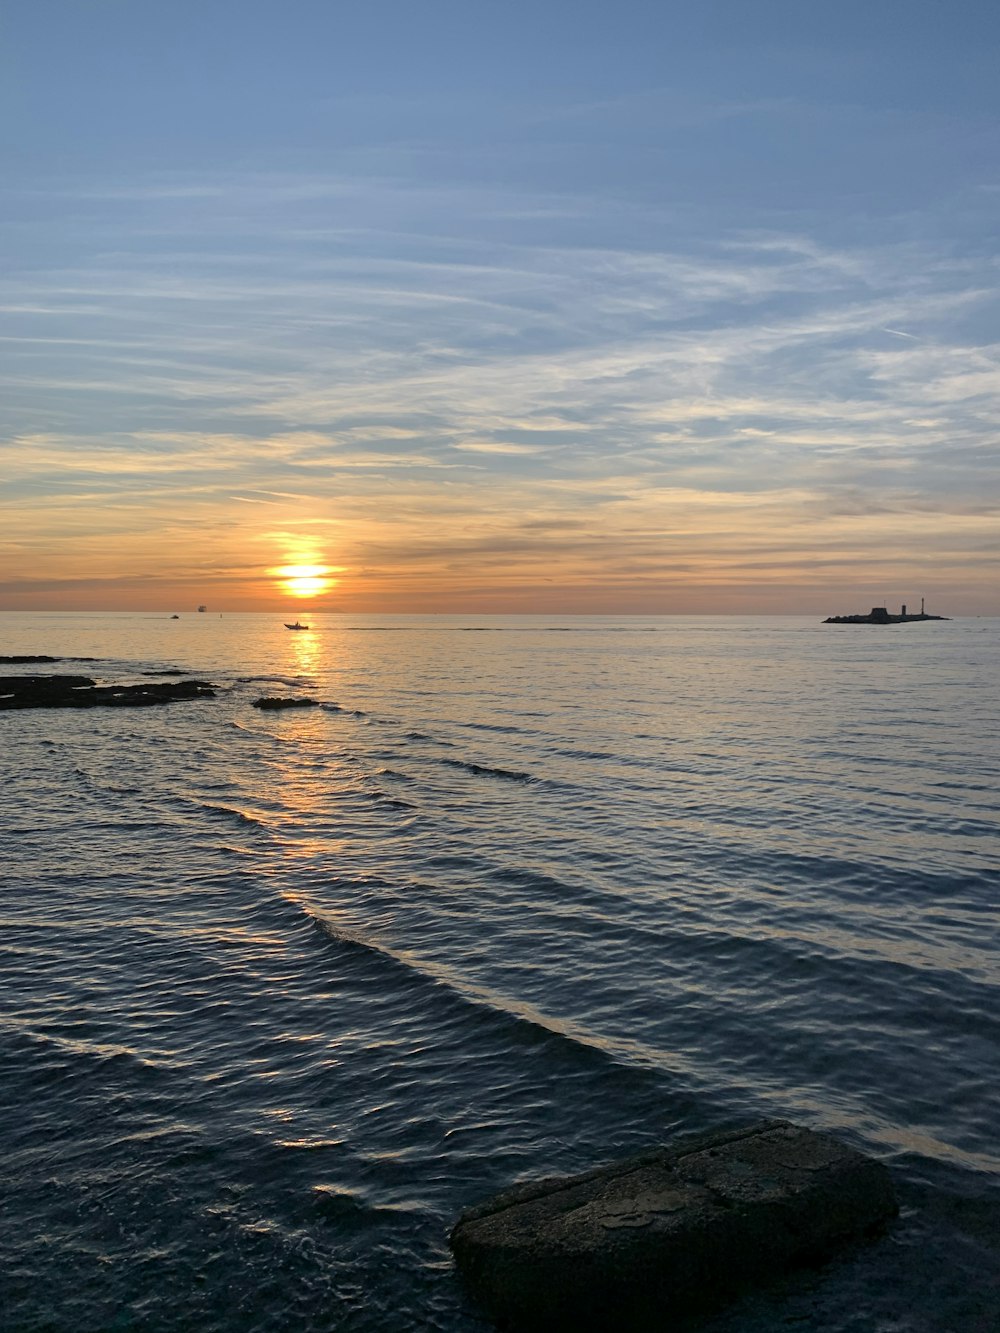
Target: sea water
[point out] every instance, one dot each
(283, 992)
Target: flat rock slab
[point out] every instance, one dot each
(653, 1241)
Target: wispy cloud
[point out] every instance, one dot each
(436, 397)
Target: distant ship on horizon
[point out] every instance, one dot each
(879, 615)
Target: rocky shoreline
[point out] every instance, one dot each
(82, 692)
(67, 691)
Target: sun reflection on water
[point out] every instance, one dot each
(306, 652)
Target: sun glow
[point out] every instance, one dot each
(304, 580)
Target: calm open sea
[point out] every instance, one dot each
(284, 992)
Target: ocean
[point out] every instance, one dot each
(284, 992)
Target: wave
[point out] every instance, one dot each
(601, 754)
(571, 1039)
(867, 881)
(494, 726)
(352, 1210)
(129, 826)
(489, 770)
(62, 1052)
(228, 812)
(294, 682)
(385, 798)
(424, 628)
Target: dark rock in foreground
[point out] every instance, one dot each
(82, 692)
(660, 1238)
(24, 685)
(274, 701)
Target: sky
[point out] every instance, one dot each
(549, 307)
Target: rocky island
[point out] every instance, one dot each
(879, 615)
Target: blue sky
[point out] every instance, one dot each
(523, 307)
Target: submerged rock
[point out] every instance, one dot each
(21, 659)
(29, 657)
(82, 692)
(671, 1234)
(283, 701)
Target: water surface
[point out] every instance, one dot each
(284, 992)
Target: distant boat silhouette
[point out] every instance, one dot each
(175, 617)
(295, 626)
(202, 608)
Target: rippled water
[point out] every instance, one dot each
(284, 992)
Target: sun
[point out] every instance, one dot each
(304, 580)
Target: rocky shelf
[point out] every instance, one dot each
(82, 692)
(284, 701)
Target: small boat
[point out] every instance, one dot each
(295, 626)
(202, 608)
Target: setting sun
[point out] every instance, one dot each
(304, 580)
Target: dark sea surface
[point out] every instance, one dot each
(284, 992)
